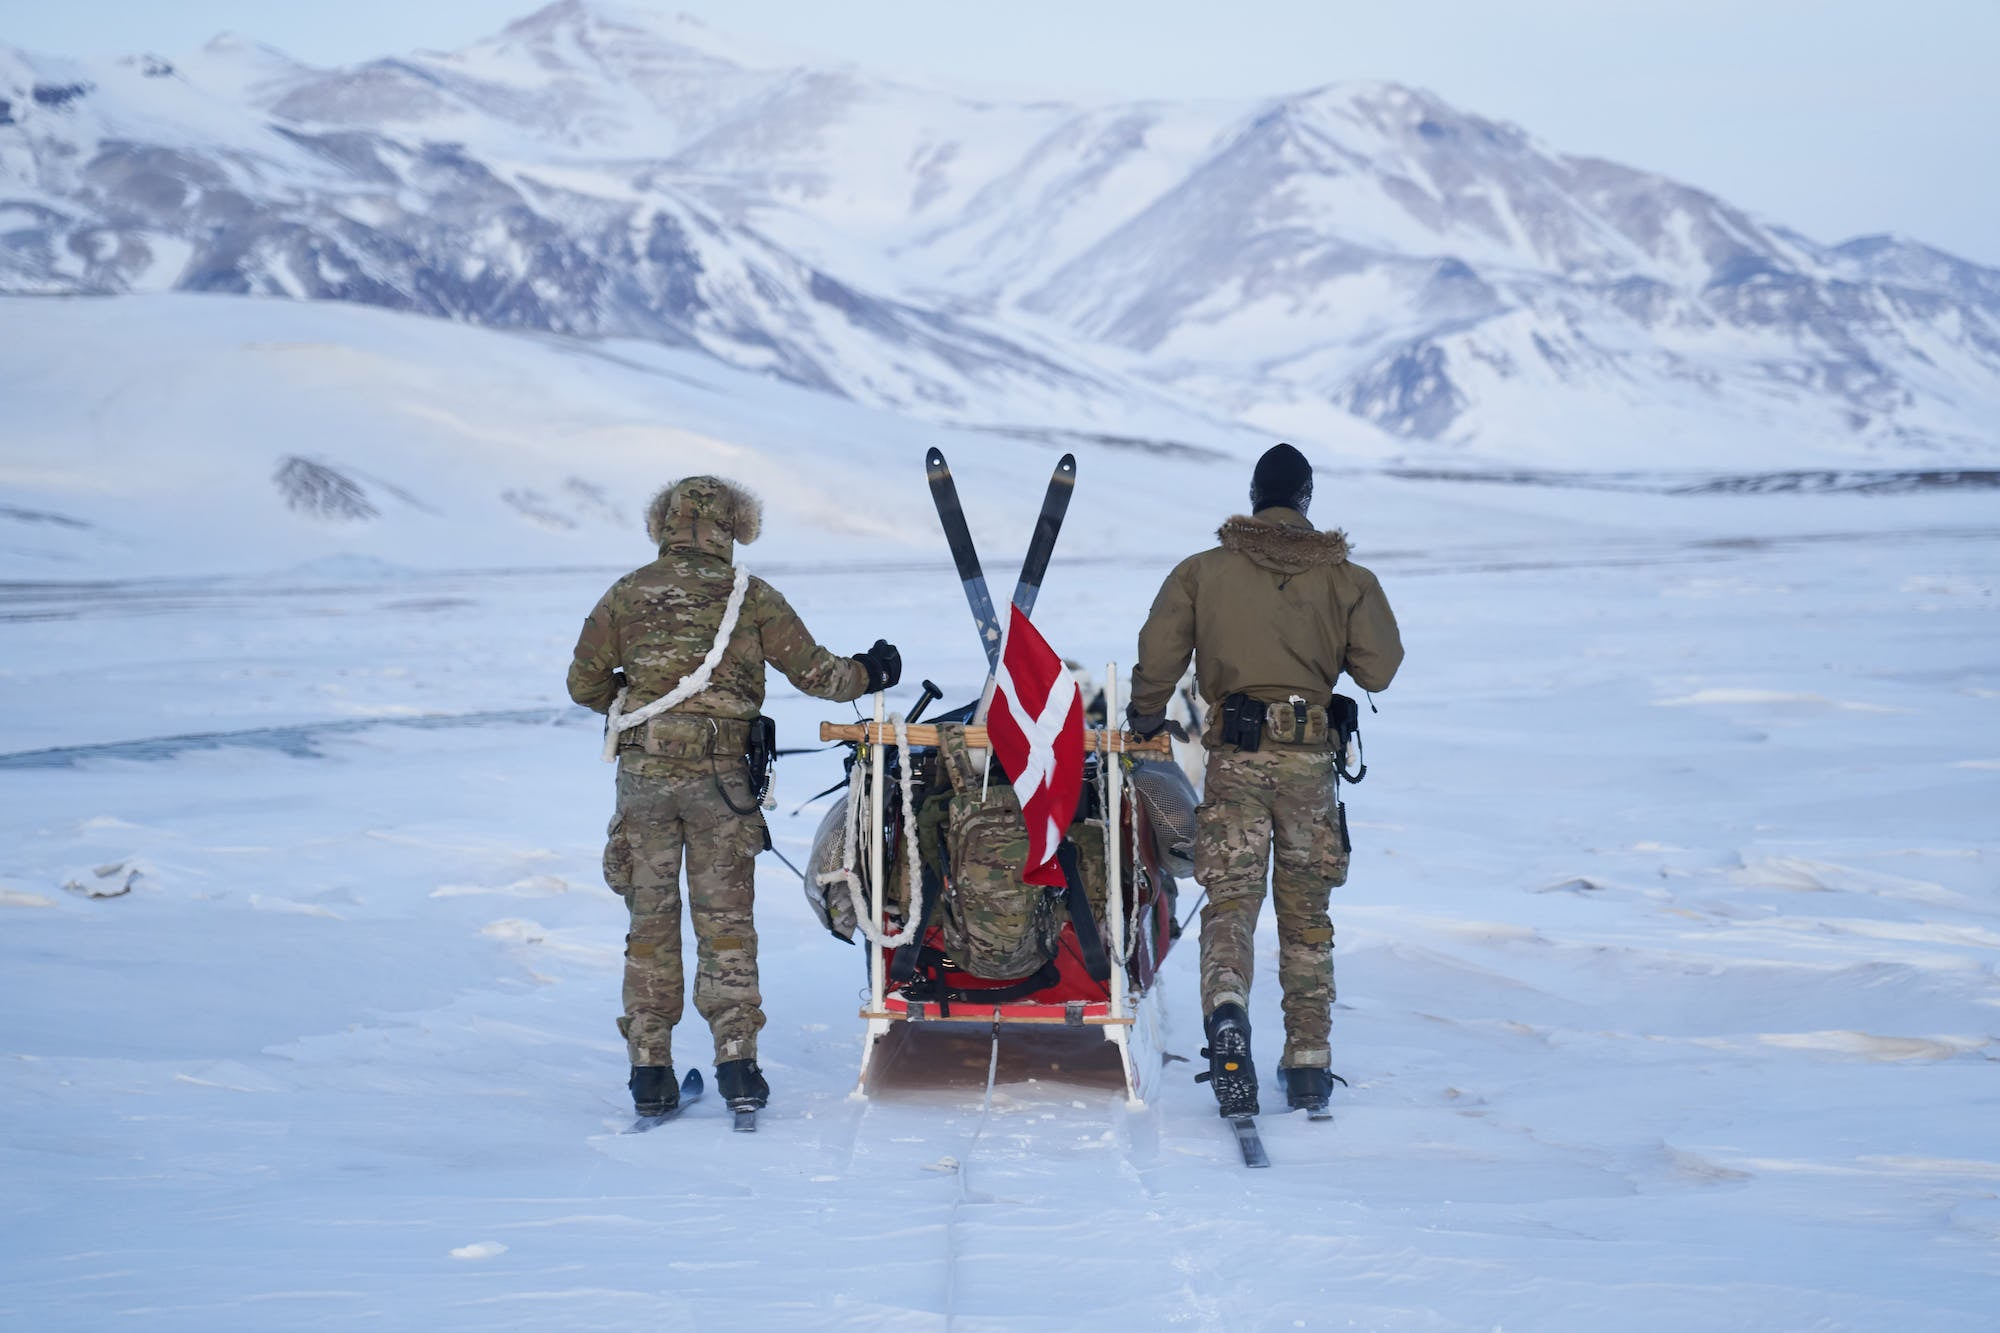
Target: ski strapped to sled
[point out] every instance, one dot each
(958, 535)
(944, 493)
(691, 1090)
(1048, 526)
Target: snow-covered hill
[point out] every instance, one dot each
(1362, 265)
(1667, 966)
(171, 433)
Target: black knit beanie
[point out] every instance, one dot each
(1283, 477)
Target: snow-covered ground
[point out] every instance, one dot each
(1668, 967)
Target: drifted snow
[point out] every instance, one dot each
(1656, 1017)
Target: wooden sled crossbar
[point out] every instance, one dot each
(1051, 1014)
(924, 733)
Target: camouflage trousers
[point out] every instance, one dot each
(666, 808)
(1282, 799)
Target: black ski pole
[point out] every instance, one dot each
(789, 866)
(1190, 916)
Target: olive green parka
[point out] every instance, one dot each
(1276, 610)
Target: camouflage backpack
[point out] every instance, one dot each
(994, 926)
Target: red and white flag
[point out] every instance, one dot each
(1035, 726)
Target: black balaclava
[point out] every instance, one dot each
(1283, 478)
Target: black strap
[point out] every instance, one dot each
(816, 795)
(1343, 720)
(904, 968)
(1094, 960)
(932, 987)
(1340, 759)
(714, 765)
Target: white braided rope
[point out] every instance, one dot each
(852, 833)
(618, 720)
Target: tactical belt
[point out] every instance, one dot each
(688, 736)
(1303, 726)
(1250, 724)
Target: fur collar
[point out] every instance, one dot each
(704, 514)
(1282, 540)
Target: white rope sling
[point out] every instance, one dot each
(618, 720)
(852, 834)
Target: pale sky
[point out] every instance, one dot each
(1836, 117)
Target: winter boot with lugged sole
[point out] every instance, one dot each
(1230, 1071)
(742, 1085)
(654, 1090)
(1310, 1090)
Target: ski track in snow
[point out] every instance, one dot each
(1647, 1024)
(1669, 964)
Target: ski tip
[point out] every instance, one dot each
(691, 1085)
(1067, 464)
(933, 459)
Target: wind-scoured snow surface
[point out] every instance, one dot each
(1669, 964)
(1361, 265)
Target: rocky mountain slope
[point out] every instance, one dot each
(1362, 265)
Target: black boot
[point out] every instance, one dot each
(742, 1084)
(1230, 1071)
(1309, 1089)
(654, 1089)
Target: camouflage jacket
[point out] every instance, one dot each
(1276, 610)
(658, 622)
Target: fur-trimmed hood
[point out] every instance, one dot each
(704, 514)
(1282, 540)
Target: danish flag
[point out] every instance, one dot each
(1035, 727)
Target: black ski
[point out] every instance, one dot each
(1248, 1140)
(944, 493)
(1048, 526)
(691, 1090)
(746, 1120)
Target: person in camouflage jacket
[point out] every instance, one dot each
(683, 786)
(1276, 613)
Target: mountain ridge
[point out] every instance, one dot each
(1360, 263)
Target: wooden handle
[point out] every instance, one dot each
(925, 733)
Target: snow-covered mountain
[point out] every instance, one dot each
(1361, 265)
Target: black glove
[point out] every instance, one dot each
(1149, 725)
(884, 664)
(618, 681)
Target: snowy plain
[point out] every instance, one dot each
(1669, 965)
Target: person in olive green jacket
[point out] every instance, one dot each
(1273, 616)
(674, 654)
